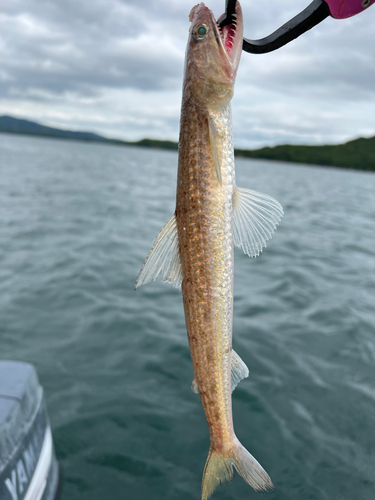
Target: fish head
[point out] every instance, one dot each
(212, 57)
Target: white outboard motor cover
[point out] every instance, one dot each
(28, 466)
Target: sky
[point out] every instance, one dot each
(115, 67)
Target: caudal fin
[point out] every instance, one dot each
(251, 470)
(219, 469)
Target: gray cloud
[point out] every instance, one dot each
(71, 46)
(115, 67)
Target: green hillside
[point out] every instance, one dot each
(153, 143)
(357, 154)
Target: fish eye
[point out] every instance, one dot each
(200, 31)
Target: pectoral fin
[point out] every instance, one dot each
(239, 371)
(163, 258)
(255, 218)
(215, 147)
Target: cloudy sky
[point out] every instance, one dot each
(115, 67)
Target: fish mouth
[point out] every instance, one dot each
(226, 32)
(228, 35)
(229, 28)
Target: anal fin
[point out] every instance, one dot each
(239, 371)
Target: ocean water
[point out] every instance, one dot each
(76, 222)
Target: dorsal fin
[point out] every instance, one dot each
(163, 258)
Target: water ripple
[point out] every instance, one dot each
(76, 222)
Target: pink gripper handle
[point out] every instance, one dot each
(340, 9)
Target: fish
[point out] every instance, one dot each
(194, 251)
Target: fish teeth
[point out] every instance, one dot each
(220, 30)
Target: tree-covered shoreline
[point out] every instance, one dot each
(357, 154)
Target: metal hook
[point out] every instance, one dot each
(315, 13)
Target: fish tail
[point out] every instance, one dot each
(250, 469)
(219, 470)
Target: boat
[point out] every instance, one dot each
(28, 466)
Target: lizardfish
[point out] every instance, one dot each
(194, 250)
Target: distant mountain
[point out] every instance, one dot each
(357, 154)
(11, 125)
(16, 126)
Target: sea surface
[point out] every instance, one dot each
(76, 222)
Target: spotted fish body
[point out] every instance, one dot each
(204, 222)
(194, 250)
